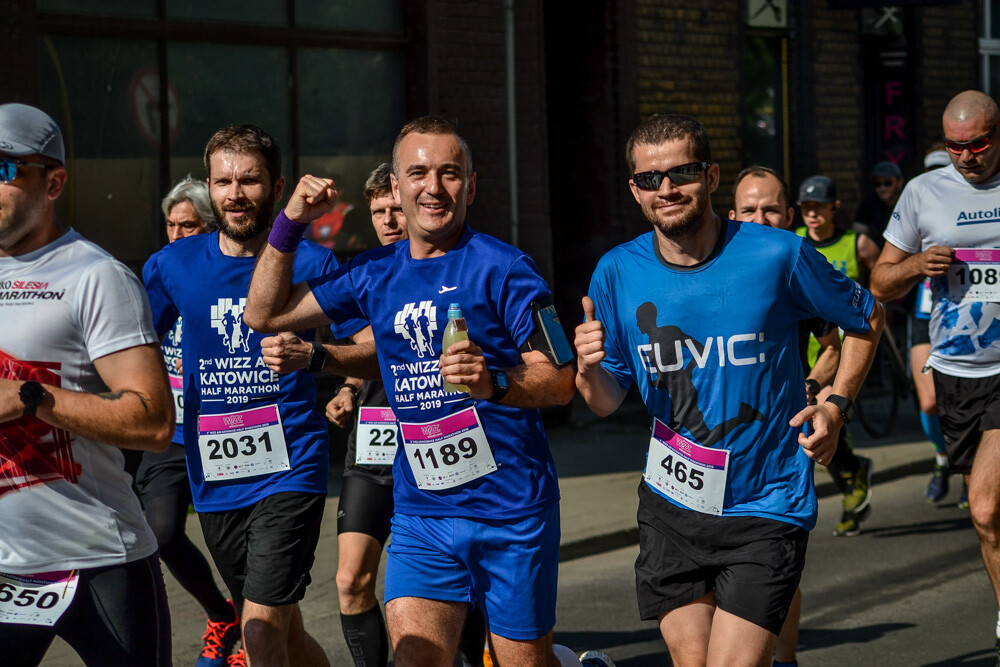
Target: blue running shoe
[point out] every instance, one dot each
(219, 638)
(937, 488)
(596, 659)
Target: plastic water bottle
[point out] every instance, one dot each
(456, 331)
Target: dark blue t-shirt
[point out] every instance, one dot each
(406, 301)
(224, 372)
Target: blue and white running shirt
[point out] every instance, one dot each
(941, 208)
(224, 372)
(714, 351)
(406, 301)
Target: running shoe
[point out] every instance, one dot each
(238, 659)
(937, 488)
(963, 500)
(850, 523)
(219, 638)
(859, 488)
(596, 659)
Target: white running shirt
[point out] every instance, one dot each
(66, 501)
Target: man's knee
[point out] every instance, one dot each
(354, 587)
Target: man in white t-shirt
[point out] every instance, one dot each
(81, 377)
(946, 226)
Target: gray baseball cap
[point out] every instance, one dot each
(886, 169)
(25, 130)
(818, 189)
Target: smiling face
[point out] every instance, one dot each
(387, 218)
(433, 187)
(674, 210)
(183, 221)
(242, 194)
(761, 199)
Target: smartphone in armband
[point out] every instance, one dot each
(552, 341)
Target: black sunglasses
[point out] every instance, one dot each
(8, 168)
(685, 173)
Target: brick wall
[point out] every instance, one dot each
(467, 80)
(688, 58)
(949, 61)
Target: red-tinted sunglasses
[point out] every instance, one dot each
(977, 145)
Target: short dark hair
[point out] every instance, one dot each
(760, 171)
(243, 140)
(432, 125)
(663, 127)
(378, 183)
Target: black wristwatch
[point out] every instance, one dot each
(845, 405)
(500, 385)
(813, 386)
(317, 358)
(31, 394)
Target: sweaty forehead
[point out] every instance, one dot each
(231, 164)
(418, 149)
(758, 190)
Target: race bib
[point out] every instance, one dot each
(177, 389)
(690, 474)
(36, 599)
(375, 441)
(448, 452)
(242, 444)
(975, 275)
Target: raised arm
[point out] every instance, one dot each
(137, 411)
(273, 302)
(897, 271)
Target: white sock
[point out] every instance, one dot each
(998, 625)
(941, 459)
(567, 658)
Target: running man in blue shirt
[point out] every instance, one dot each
(723, 528)
(473, 475)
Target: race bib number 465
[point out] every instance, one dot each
(690, 474)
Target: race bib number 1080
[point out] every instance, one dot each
(975, 275)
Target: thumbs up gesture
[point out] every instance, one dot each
(589, 339)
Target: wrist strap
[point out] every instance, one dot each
(317, 358)
(286, 234)
(354, 390)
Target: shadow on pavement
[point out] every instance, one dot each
(815, 639)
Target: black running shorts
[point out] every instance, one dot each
(264, 552)
(163, 474)
(966, 408)
(365, 507)
(753, 565)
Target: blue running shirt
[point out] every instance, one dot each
(223, 368)
(406, 301)
(714, 351)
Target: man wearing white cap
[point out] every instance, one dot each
(81, 377)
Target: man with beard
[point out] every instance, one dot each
(945, 227)
(723, 529)
(257, 451)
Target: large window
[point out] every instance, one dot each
(138, 94)
(989, 47)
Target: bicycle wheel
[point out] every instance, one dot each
(878, 400)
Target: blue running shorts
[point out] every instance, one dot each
(510, 568)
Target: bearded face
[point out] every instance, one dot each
(241, 193)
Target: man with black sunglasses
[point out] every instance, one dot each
(873, 214)
(724, 512)
(81, 379)
(946, 226)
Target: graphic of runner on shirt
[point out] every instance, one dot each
(680, 384)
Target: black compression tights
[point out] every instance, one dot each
(167, 516)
